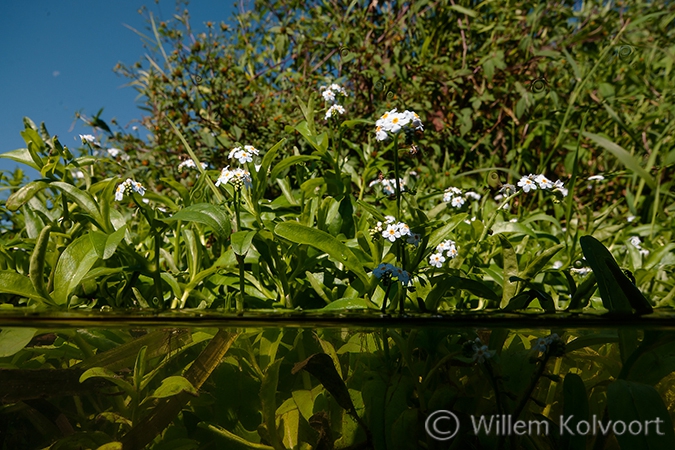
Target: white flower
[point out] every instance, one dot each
(380, 134)
(78, 174)
(436, 260)
(332, 109)
(445, 246)
(514, 220)
(559, 187)
(596, 178)
(506, 189)
(630, 218)
(88, 138)
(393, 121)
(388, 185)
(452, 252)
(582, 271)
(119, 192)
(114, 152)
(243, 155)
(328, 96)
(389, 219)
(527, 183)
(635, 241)
(236, 177)
(457, 202)
(473, 195)
(328, 93)
(543, 182)
(392, 233)
(225, 176)
(557, 265)
(190, 164)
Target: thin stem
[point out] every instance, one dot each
(240, 258)
(396, 175)
(531, 387)
(492, 219)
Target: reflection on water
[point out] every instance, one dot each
(395, 384)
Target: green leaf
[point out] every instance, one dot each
(12, 340)
(207, 214)
(618, 293)
(623, 156)
(106, 244)
(83, 199)
(539, 262)
(288, 162)
(101, 372)
(629, 401)
(347, 303)
(301, 234)
(17, 284)
(265, 165)
(37, 263)
(173, 386)
(75, 261)
(441, 234)
(23, 156)
(477, 288)
(241, 241)
(463, 10)
(17, 199)
(321, 366)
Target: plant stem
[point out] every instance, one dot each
(492, 219)
(240, 258)
(396, 176)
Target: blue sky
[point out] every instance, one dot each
(56, 58)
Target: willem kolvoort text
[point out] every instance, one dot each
(504, 425)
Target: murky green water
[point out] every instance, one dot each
(192, 381)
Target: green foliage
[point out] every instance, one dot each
(333, 387)
(303, 222)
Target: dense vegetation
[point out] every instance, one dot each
(525, 129)
(382, 156)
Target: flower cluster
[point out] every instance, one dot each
(393, 122)
(437, 259)
(329, 95)
(456, 198)
(190, 164)
(238, 177)
(243, 155)
(127, 187)
(388, 185)
(387, 272)
(393, 230)
(532, 182)
(333, 109)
